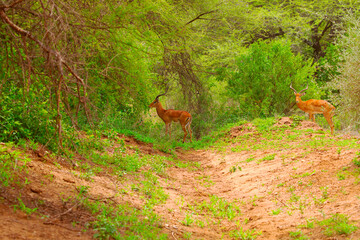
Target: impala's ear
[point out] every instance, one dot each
(302, 94)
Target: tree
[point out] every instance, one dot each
(80, 57)
(347, 98)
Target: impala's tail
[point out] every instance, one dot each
(188, 122)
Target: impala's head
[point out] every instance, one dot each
(298, 95)
(156, 101)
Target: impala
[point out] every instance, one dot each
(171, 115)
(313, 106)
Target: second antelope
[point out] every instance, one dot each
(313, 106)
(171, 115)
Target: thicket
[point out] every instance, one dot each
(70, 66)
(264, 73)
(346, 83)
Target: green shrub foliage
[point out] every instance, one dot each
(26, 115)
(263, 76)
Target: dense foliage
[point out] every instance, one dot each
(69, 65)
(347, 82)
(261, 82)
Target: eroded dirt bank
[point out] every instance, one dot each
(262, 182)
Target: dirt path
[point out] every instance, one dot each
(276, 195)
(247, 184)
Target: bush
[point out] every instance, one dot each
(26, 116)
(264, 74)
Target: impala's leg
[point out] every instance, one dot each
(311, 117)
(166, 128)
(170, 129)
(188, 127)
(184, 129)
(328, 116)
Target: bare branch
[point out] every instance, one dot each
(199, 17)
(11, 5)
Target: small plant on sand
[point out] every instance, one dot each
(296, 120)
(356, 160)
(21, 206)
(341, 176)
(324, 196)
(205, 180)
(82, 190)
(310, 224)
(87, 175)
(187, 235)
(267, 158)
(188, 220)
(234, 168)
(250, 159)
(324, 192)
(306, 174)
(200, 223)
(298, 235)
(220, 208)
(192, 166)
(242, 234)
(337, 224)
(254, 199)
(276, 211)
(124, 222)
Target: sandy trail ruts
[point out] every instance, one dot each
(301, 183)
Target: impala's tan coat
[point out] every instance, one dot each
(170, 115)
(313, 106)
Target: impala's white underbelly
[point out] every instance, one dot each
(317, 112)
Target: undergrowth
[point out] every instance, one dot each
(13, 165)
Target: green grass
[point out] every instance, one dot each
(124, 222)
(264, 124)
(188, 220)
(276, 211)
(21, 206)
(13, 165)
(306, 174)
(168, 145)
(356, 160)
(219, 208)
(191, 166)
(337, 224)
(267, 158)
(298, 235)
(242, 234)
(205, 180)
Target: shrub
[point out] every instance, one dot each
(264, 74)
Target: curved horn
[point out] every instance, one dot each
(293, 88)
(163, 93)
(304, 89)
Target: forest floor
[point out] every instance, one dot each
(289, 183)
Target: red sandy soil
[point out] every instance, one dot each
(259, 188)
